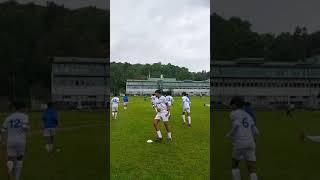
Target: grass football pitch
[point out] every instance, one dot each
(280, 152)
(82, 137)
(186, 157)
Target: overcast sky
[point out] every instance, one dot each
(170, 31)
(102, 4)
(272, 15)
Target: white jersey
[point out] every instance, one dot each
(115, 101)
(16, 126)
(243, 129)
(161, 103)
(169, 100)
(185, 102)
(153, 99)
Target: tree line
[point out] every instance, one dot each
(30, 34)
(120, 72)
(233, 38)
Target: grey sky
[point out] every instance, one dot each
(149, 31)
(103, 4)
(272, 15)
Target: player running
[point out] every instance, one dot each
(14, 133)
(115, 104)
(163, 111)
(153, 100)
(186, 108)
(169, 100)
(290, 108)
(50, 123)
(243, 135)
(125, 101)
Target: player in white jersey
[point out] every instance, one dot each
(153, 100)
(169, 100)
(242, 134)
(186, 108)
(114, 106)
(14, 130)
(163, 111)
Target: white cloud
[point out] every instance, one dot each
(148, 31)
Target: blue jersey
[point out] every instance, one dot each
(250, 111)
(50, 118)
(125, 99)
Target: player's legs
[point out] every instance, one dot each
(250, 157)
(183, 117)
(252, 168)
(157, 128)
(189, 118)
(236, 175)
(166, 124)
(18, 167)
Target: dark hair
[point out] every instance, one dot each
(184, 93)
(50, 104)
(153, 94)
(158, 91)
(238, 101)
(18, 105)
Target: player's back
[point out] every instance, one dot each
(125, 99)
(115, 101)
(50, 118)
(15, 125)
(185, 101)
(244, 132)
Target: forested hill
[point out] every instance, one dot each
(31, 33)
(120, 72)
(233, 38)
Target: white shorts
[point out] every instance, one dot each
(47, 132)
(248, 154)
(114, 108)
(125, 103)
(16, 149)
(186, 109)
(162, 116)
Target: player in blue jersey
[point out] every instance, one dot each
(125, 101)
(50, 123)
(250, 111)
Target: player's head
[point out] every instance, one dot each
(125, 94)
(50, 104)
(169, 93)
(18, 105)
(247, 104)
(184, 93)
(236, 102)
(158, 92)
(115, 94)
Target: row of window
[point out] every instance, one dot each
(267, 84)
(76, 68)
(79, 83)
(155, 87)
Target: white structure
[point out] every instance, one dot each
(147, 87)
(79, 82)
(266, 84)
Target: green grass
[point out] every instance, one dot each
(280, 152)
(82, 136)
(186, 157)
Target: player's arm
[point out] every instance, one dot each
(232, 131)
(255, 130)
(3, 132)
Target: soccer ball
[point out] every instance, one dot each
(149, 141)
